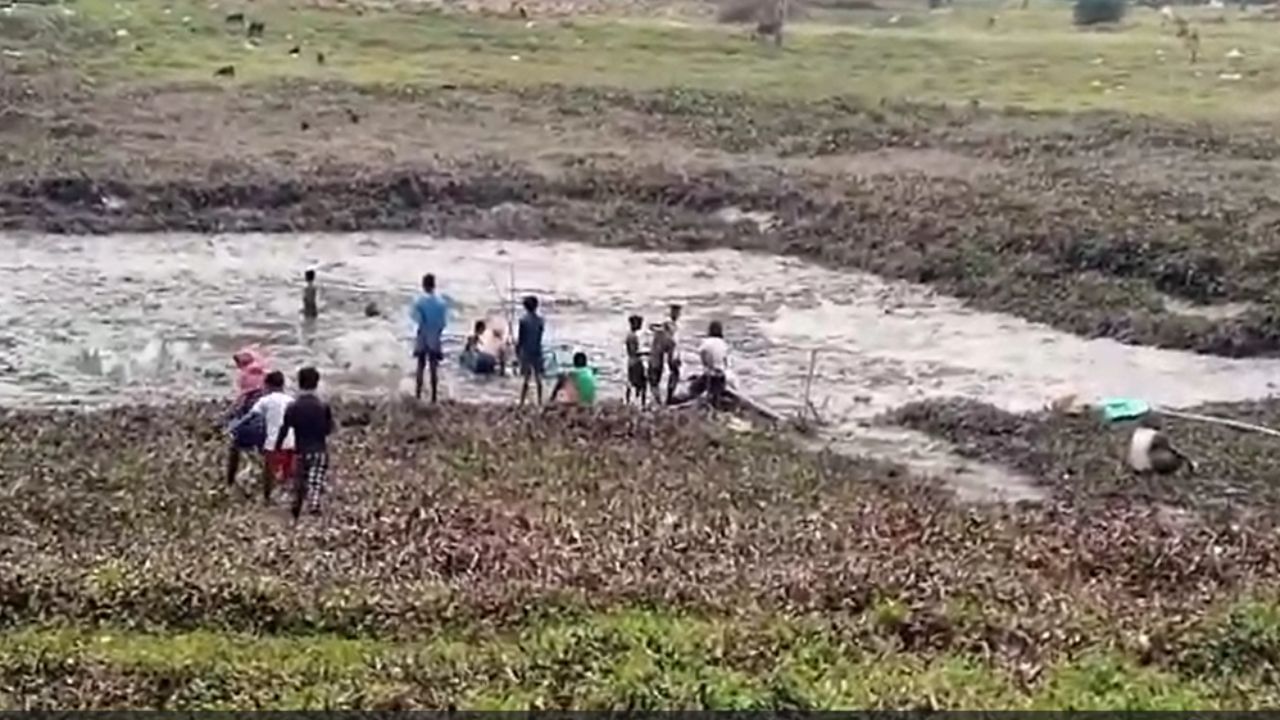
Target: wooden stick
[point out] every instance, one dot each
(808, 382)
(1225, 422)
(511, 309)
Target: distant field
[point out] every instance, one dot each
(1031, 58)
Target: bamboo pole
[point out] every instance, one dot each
(808, 385)
(1224, 422)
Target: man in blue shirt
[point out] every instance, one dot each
(430, 312)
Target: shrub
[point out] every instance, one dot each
(738, 11)
(1096, 12)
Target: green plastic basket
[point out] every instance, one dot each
(1120, 409)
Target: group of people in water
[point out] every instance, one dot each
(289, 433)
(489, 349)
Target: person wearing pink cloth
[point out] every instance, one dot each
(246, 430)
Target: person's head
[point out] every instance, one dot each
(247, 357)
(579, 359)
(308, 378)
(480, 327)
(429, 283)
(530, 303)
(309, 276)
(636, 322)
(715, 329)
(275, 381)
(676, 309)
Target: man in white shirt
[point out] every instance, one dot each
(1150, 450)
(716, 376)
(714, 352)
(278, 464)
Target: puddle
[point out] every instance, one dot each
(155, 317)
(763, 221)
(1219, 311)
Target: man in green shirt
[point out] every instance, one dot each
(578, 384)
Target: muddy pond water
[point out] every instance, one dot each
(149, 318)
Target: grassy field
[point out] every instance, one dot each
(1032, 58)
(624, 660)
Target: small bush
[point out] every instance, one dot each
(1096, 12)
(739, 11)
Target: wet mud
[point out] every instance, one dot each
(1053, 219)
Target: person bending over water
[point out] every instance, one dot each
(430, 313)
(578, 383)
(1151, 450)
(716, 376)
(477, 354)
(311, 422)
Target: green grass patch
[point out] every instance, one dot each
(624, 659)
(1035, 59)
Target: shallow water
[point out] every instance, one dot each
(155, 317)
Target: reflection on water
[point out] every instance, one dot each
(155, 317)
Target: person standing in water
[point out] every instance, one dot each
(637, 381)
(310, 421)
(579, 382)
(430, 314)
(310, 304)
(529, 348)
(673, 351)
(659, 348)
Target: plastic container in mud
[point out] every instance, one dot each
(560, 360)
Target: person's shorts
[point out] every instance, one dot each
(280, 464)
(656, 369)
(532, 365)
(484, 364)
(428, 351)
(251, 434)
(636, 375)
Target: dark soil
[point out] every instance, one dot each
(1088, 223)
